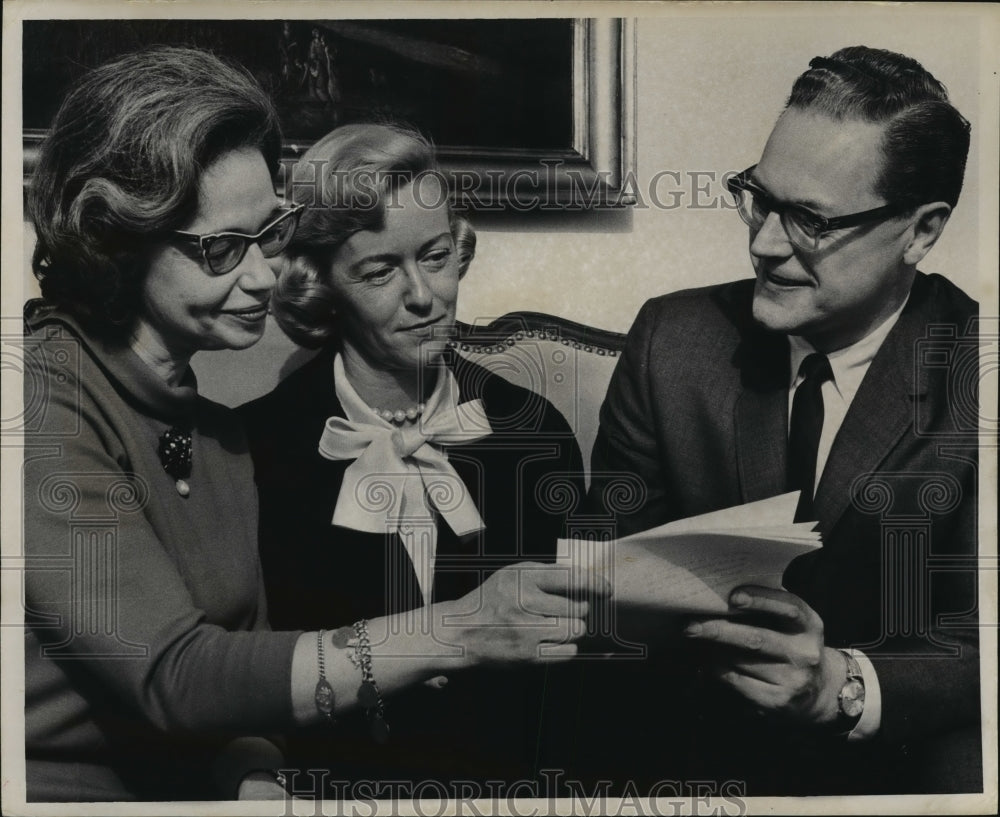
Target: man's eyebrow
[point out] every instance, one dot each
(811, 205)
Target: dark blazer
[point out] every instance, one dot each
(482, 724)
(698, 411)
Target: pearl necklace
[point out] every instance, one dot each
(400, 416)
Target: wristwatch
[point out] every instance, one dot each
(851, 698)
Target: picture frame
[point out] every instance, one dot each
(536, 113)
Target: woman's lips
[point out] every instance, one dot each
(250, 314)
(413, 327)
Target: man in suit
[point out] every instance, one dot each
(837, 371)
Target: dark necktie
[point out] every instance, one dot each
(804, 432)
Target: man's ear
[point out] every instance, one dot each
(928, 224)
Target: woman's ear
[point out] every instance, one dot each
(928, 224)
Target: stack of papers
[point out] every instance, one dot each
(692, 565)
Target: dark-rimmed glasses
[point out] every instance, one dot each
(223, 252)
(803, 227)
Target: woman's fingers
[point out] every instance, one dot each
(557, 590)
(559, 645)
(549, 653)
(530, 588)
(567, 581)
(546, 604)
(530, 638)
(513, 616)
(564, 629)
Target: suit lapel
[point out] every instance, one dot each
(880, 414)
(762, 414)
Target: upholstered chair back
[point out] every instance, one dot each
(568, 363)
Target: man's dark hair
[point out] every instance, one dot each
(926, 141)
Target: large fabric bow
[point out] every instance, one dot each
(399, 473)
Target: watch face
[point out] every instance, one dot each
(852, 698)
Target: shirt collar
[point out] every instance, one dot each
(849, 364)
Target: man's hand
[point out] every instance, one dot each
(772, 652)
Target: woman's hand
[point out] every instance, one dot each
(523, 612)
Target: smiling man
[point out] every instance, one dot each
(862, 675)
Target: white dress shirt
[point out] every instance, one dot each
(849, 366)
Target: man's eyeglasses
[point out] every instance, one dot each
(223, 252)
(803, 227)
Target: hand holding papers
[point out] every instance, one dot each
(691, 565)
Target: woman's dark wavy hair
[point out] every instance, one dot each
(122, 165)
(926, 141)
(345, 181)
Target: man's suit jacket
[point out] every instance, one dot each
(698, 411)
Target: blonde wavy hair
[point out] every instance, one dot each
(345, 181)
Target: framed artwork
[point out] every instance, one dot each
(525, 113)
